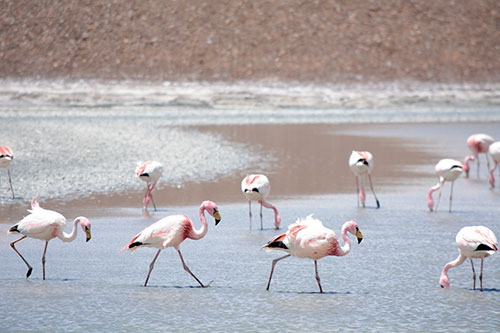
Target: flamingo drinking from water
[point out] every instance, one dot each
(6, 156)
(149, 172)
(171, 231)
(446, 170)
(473, 242)
(361, 163)
(46, 224)
(308, 238)
(478, 143)
(494, 152)
(257, 188)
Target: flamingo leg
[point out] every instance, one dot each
(30, 269)
(250, 213)
(272, 269)
(151, 265)
(487, 161)
(481, 276)
(473, 275)
(357, 189)
(188, 270)
(261, 225)
(152, 200)
(451, 195)
(439, 195)
(43, 258)
(317, 275)
(371, 186)
(477, 172)
(10, 182)
(144, 200)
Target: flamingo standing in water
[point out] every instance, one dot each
(257, 188)
(46, 224)
(478, 143)
(494, 152)
(308, 238)
(149, 172)
(446, 170)
(361, 163)
(6, 156)
(473, 242)
(171, 231)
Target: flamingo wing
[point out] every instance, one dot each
(477, 238)
(41, 224)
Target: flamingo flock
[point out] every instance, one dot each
(306, 238)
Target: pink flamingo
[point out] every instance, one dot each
(361, 163)
(494, 152)
(257, 188)
(171, 231)
(446, 170)
(6, 156)
(473, 242)
(478, 143)
(149, 172)
(308, 238)
(46, 224)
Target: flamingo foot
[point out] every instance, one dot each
(28, 273)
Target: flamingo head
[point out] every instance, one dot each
(212, 209)
(466, 167)
(85, 224)
(444, 281)
(353, 228)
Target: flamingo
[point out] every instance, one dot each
(494, 152)
(257, 188)
(446, 170)
(171, 231)
(361, 163)
(478, 143)
(308, 238)
(473, 242)
(6, 156)
(149, 172)
(46, 224)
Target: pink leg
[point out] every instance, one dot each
(188, 270)
(439, 195)
(30, 269)
(317, 275)
(451, 195)
(250, 213)
(261, 225)
(481, 276)
(151, 265)
(473, 275)
(43, 258)
(10, 182)
(272, 269)
(357, 189)
(371, 186)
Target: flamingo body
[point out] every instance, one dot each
(45, 225)
(309, 238)
(257, 187)
(149, 172)
(361, 164)
(477, 143)
(494, 151)
(474, 242)
(171, 231)
(6, 156)
(446, 170)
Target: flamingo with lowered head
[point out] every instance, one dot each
(6, 156)
(308, 238)
(446, 170)
(149, 172)
(171, 231)
(361, 163)
(478, 143)
(494, 152)
(257, 188)
(46, 224)
(473, 242)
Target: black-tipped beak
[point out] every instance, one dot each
(217, 217)
(359, 235)
(87, 233)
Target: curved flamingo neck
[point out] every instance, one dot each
(72, 235)
(452, 264)
(277, 217)
(466, 167)
(343, 250)
(200, 233)
(430, 201)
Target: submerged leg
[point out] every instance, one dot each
(30, 269)
(477, 172)
(473, 275)
(439, 195)
(261, 225)
(250, 213)
(451, 195)
(317, 275)
(188, 270)
(272, 269)
(371, 186)
(357, 189)
(481, 276)
(151, 265)
(152, 200)
(43, 258)
(10, 182)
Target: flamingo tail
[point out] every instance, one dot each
(132, 245)
(276, 243)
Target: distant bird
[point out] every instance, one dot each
(149, 172)
(361, 163)
(473, 242)
(308, 238)
(478, 143)
(257, 188)
(6, 156)
(446, 170)
(46, 224)
(171, 231)
(494, 152)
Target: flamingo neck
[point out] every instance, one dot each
(277, 217)
(430, 201)
(72, 235)
(347, 243)
(444, 279)
(200, 233)
(466, 167)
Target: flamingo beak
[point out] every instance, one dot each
(87, 233)
(217, 217)
(359, 235)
